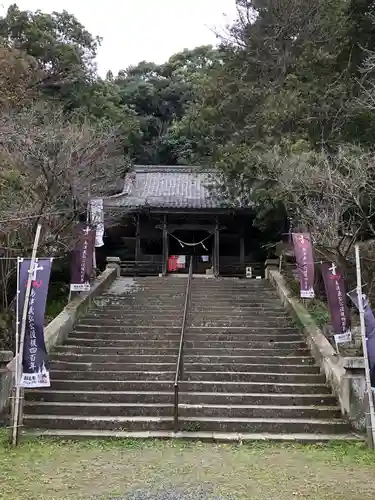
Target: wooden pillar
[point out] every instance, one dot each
(165, 246)
(217, 250)
(242, 250)
(138, 239)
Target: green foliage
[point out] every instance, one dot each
(160, 96)
(284, 103)
(64, 49)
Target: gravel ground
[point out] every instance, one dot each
(173, 494)
(168, 470)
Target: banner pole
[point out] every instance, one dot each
(17, 333)
(15, 431)
(364, 345)
(89, 221)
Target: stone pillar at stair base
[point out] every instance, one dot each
(270, 265)
(114, 263)
(353, 393)
(6, 381)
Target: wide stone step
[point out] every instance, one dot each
(247, 344)
(252, 368)
(156, 293)
(249, 360)
(115, 375)
(271, 425)
(232, 322)
(233, 294)
(231, 309)
(158, 321)
(234, 308)
(58, 365)
(145, 321)
(113, 385)
(216, 437)
(142, 302)
(196, 300)
(271, 350)
(189, 343)
(122, 327)
(167, 397)
(188, 367)
(185, 410)
(267, 377)
(157, 314)
(123, 343)
(244, 329)
(204, 322)
(135, 337)
(113, 358)
(242, 337)
(198, 386)
(73, 349)
(235, 301)
(175, 335)
(47, 421)
(90, 409)
(138, 309)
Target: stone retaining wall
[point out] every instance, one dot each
(5, 381)
(346, 376)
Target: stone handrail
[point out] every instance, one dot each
(346, 376)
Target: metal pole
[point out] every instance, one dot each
(15, 431)
(364, 344)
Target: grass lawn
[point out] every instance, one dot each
(106, 470)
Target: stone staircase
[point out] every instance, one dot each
(247, 371)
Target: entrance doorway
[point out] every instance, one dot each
(197, 244)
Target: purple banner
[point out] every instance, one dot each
(368, 314)
(370, 330)
(305, 263)
(82, 259)
(336, 295)
(35, 371)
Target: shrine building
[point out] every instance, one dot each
(164, 214)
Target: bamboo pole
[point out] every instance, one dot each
(15, 430)
(17, 333)
(364, 344)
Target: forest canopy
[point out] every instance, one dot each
(283, 107)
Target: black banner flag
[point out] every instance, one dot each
(35, 371)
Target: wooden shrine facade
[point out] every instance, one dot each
(172, 211)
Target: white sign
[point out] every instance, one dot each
(343, 337)
(249, 272)
(80, 287)
(97, 219)
(307, 294)
(34, 380)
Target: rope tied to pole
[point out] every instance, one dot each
(188, 244)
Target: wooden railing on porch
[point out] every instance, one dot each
(140, 267)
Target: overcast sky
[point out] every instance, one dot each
(136, 30)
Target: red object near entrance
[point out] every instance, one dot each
(172, 263)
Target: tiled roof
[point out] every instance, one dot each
(167, 187)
